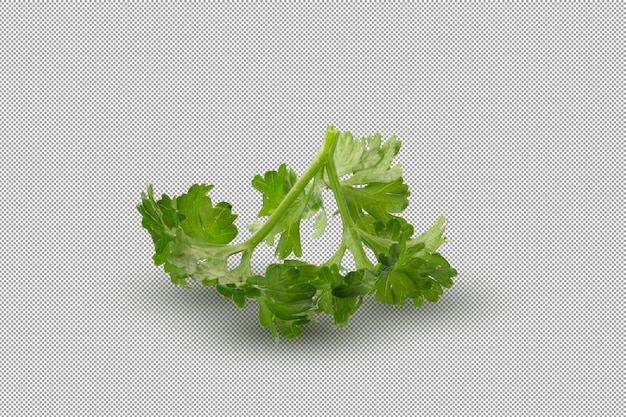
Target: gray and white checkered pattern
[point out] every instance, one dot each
(512, 123)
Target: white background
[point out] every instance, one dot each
(512, 123)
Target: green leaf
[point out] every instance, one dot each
(366, 160)
(344, 308)
(433, 238)
(416, 272)
(266, 318)
(356, 284)
(212, 224)
(342, 296)
(286, 300)
(274, 185)
(230, 291)
(190, 236)
(289, 241)
(320, 225)
(160, 219)
(379, 199)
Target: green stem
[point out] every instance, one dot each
(318, 162)
(351, 237)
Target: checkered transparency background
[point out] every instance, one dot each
(511, 119)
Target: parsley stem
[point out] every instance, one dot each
(318, 163)
(337, 256)
(351, 237)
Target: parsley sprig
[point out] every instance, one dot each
(192, 238)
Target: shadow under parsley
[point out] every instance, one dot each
(211, 318)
